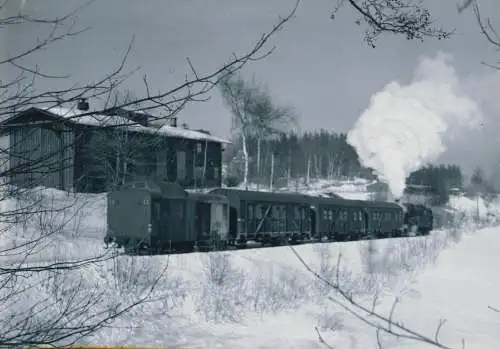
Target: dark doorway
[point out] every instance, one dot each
(203, 219)
(233, 222)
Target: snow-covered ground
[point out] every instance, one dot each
(265, 298)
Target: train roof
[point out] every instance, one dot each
(209, 197)
(239, 194)
(355, 203)
(161, 189)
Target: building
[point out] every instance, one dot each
(75, 150)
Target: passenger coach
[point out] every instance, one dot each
(269, 218)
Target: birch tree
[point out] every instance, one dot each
(254, 114)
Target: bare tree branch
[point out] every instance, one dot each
(409, 18)
(382, 323)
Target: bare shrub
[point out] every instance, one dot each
(52, 306)
(330, 321)
(274, 291)
(223, 288)
(132, 277)
(330, 268)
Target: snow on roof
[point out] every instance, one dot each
(95, 119)
(191, 134)
(120, 121)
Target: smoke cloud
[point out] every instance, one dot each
(406, 127)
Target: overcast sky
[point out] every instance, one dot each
(321, 66)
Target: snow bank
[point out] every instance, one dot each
(54, 225)
(265, 297)
(476, 210)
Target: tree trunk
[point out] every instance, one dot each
(245, 157)
(272, 172)
(205, 164)
(125, 149)
(117, 168)
(289, 174)
(258, 162)
(308, 172)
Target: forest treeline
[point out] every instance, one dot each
(327, 155)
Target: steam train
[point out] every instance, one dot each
(163, 217)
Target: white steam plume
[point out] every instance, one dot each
(406, 127)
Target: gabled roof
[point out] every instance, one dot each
(85, 118)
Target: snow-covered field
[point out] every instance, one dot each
(265, 298)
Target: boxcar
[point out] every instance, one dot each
(273, 218)
(147, 215)
(162, 216)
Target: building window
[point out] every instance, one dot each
(199, 148)
(198, 172)
(181, 165)
(161, 164)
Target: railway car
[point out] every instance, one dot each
(345, 220)
(268, 218)
(162, 216)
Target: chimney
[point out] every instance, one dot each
(83, 105)
(173, 122)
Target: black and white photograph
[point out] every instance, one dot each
(230, 174)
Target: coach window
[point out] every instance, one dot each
(258, 213)
(274, 218)
(296, 212)
(282, 218)
(275, 213)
